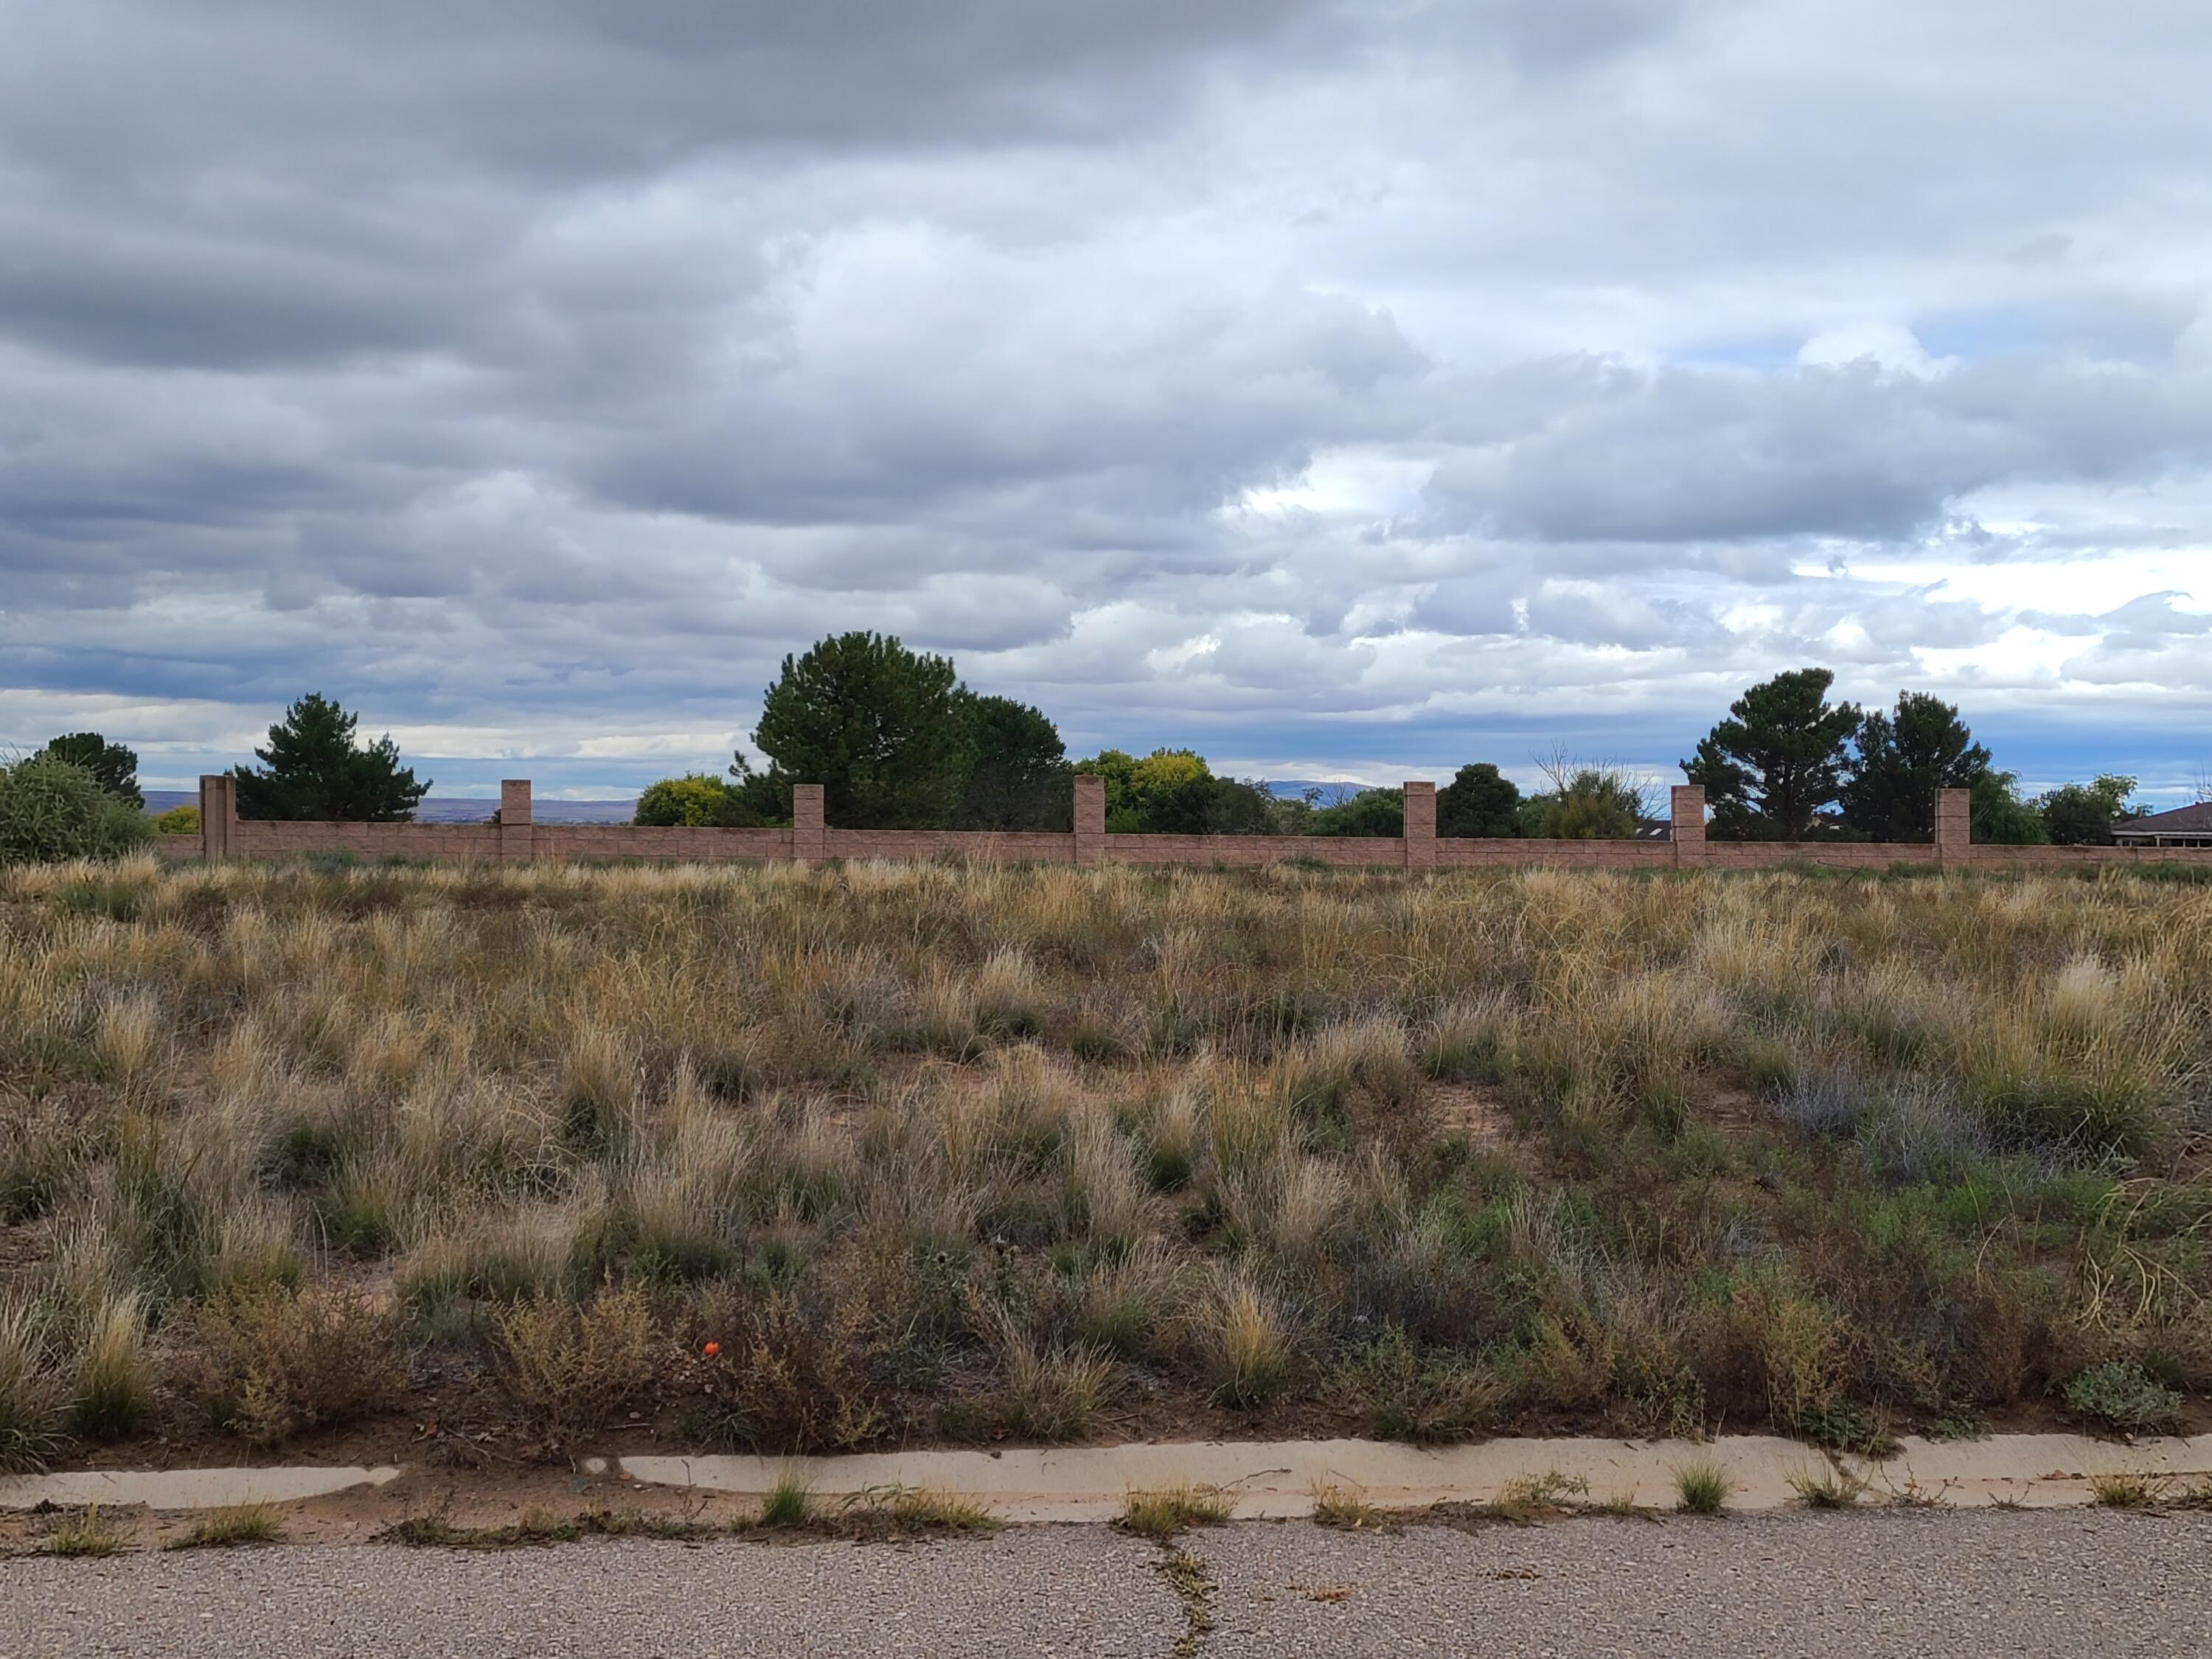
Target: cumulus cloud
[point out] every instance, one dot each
(1352, 386)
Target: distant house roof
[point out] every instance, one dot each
(2195, 822)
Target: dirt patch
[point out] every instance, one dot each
(1476, 1110)
(1733, 1105)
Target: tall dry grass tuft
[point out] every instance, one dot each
(30, 1405)
(114, 1384)
(1244, 1338)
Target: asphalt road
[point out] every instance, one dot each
(1958, 1584)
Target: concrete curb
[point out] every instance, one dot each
(1278, 1479)
(185, 1489)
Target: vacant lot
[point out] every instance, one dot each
(502, 1162)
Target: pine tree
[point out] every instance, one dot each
(314, 768)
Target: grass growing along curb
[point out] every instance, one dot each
(1702, 1488)
(1343, 1506)
(1831, 1488)
(788, 1503)
(788, 1510)
(227, 1528)
(2156, 1494)
(87, 1533)
(1162, 1513)
(909, 1511)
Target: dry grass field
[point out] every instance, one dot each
(510, 1162)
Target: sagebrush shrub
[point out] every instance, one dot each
(573, 1367)
(50, 810)
(791, 1376)
(273, 1363)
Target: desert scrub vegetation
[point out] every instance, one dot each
(802, 1160)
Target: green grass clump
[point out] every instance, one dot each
(1702, 1488)
(31, 1410)
(911, 1511)
(788, 1503)
(1344, 1507)
(2127, 1491)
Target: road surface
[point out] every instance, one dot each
(1958, 1584)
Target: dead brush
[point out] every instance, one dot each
(792, 1376)
(273, 1363)
(574, 1367)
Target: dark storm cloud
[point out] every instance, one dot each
(1857, 452)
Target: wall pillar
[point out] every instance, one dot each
(218, 815)
(1420, 835)
(517, 834)
(1686, 823)
(809, 838)
(1089, 818)
(1954, 827)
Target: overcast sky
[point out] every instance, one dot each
(1344, 390)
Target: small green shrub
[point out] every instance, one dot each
(50, 810)
(1702, 1488)
(178, 821)
(789, 1503)
(2120, 1396)
(1405, 1397)
(1054, 1395)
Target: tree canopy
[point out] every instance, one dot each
(2083, 814)
(1370, 812)
(695, 800)
(314, 768)
(1019, 777)
(1997, 815)
(1479, 801)
(1172, 791)
(1774, 769)
(1584, 803)
(879, 726)
(1904, 757)
(110, 766)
